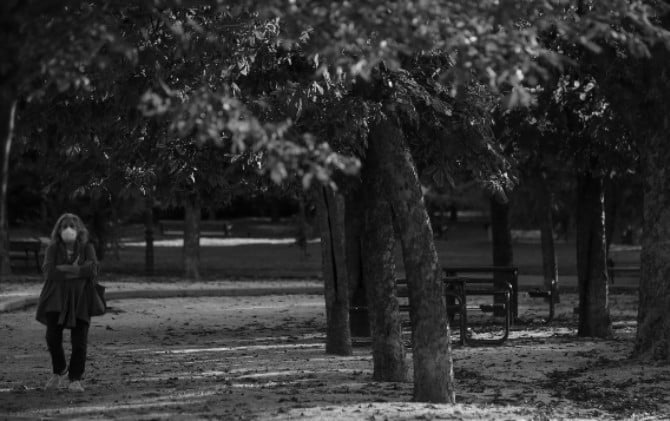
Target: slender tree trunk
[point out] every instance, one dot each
(7, 116)
(191, 251)
(302, 228)
(612, 197)
(149, 235)
(594, 316)
(433, 367)
(378, 251)
(359, 322)
(100, 227)
(653, 320)
(335, 274)
(549, 265)
(501, 240)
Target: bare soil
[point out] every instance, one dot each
(263, 358)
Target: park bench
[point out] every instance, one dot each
(455, 295)
(486, 283)
(27, 249)
(457, 291)
(613, 270)
(547, 295)
(207, 228)
(466, 287)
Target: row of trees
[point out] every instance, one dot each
(183, 99)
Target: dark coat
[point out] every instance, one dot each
(72, 298)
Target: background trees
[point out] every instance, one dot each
(308, 91)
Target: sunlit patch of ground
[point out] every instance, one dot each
(217, 242)
(263, 358)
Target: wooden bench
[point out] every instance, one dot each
(466, 287)
(26, 249)
(207, 228)
(457, 290)
(455, 295)
(487, 282)
(547, 295)
(622, 270)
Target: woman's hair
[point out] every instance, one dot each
(82, 232)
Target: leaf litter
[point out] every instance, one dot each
(222, 357)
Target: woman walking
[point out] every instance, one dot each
(69, 298)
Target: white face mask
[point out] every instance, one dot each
(68, 235)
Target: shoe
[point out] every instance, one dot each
(75, 386)
(57, 381)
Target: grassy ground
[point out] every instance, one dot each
(466, 244)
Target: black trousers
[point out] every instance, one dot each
(79, 339)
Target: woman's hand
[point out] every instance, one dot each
(73, 269)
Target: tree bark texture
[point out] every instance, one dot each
(7, 118)
(653, 321)
(378, 252)
(359, 321)
(433, 367)
(331, 210)
(148, 235)
(549, 264)
(501, 240)
(594, 316)
(191, 250)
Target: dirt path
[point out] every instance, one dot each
(263, 358)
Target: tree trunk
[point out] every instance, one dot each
(653, 320)
(501, 240)
(612, 197)
(191, 251)
(549, 265)
(378, 251)
(302, 228)
(100, 225)
(433, 368)
(7, 116)
(149, 235)
(336, 284)
(359, 322)
(594, 317)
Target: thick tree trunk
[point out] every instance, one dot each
(149, 235)
(433, 367)
(359, 322)
(378, 252)
(191, 251)
(549, 265)
(594, 316)
(7, 116)
(501, 240)
(653, 320)
(335, 274)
